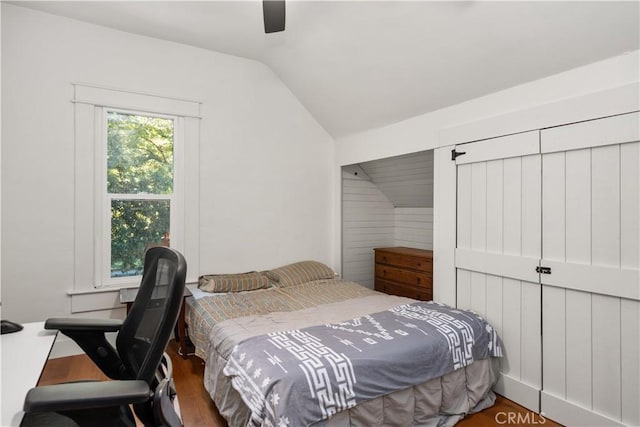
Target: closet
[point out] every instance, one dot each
(548, 250)
(385, 203)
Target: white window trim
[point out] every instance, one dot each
(91, 104)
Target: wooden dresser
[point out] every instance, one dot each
(406, 272)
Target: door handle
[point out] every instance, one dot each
(543, 270)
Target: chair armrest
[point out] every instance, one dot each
(91, 336)
(86, 395)
(83, 325)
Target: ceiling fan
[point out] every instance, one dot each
(273, 12)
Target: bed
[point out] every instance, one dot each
(258, 325)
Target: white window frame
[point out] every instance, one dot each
(92, 222)
(103, 204)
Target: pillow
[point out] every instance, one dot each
(233, 282)
(300, 272)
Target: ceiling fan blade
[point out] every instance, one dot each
(273, 12)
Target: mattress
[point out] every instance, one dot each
(217, 323)
(204, 310)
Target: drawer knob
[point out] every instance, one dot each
(418, 280)
(384, 258)
(384, 272)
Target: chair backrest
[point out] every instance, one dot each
(146, 331)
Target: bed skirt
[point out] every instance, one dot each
(439, 402)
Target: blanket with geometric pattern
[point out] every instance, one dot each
(300, 377)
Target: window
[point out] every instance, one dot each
(132, 187)
(139, 189)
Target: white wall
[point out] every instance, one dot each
(367, 223)
(407, 180)
(266, 184)
(413, 227)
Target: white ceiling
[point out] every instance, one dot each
(357, 65)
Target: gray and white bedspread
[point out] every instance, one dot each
(323, 369)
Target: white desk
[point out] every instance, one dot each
(22, 357)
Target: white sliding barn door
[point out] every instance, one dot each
(590, 235)
(498, 249)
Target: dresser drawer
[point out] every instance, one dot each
(400, 260)
(424, 294)
(403, 276)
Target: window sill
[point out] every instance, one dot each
(98, 299)
(74, 292)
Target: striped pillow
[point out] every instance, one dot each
(300, 272)
(233, 282)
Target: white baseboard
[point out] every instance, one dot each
(568, 413)
(521, 393)
(65, 346)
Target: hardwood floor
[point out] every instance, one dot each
(506, 413)
(199, 411)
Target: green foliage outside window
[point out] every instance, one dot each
(139, 161)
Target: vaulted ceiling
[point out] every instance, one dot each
(357, 65)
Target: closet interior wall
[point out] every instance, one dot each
(385, 202)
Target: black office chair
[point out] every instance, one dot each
(139, 366)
